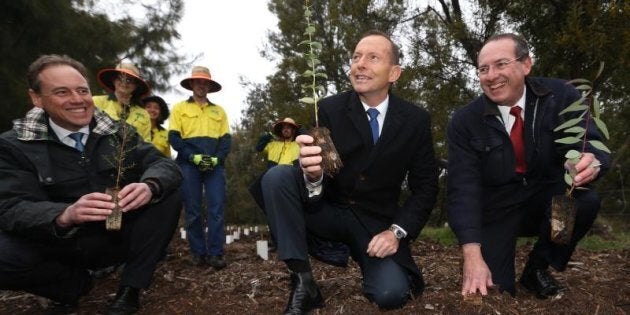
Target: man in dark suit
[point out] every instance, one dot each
(359, 205)
(496, 194)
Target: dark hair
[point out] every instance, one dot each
(45, 61)
(521, 49)
(395, 57)
(164, 112)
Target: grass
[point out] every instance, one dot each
(619, 240)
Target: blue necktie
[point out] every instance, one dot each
(77, 136)
(373, 112)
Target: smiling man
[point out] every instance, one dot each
(55, 165)
(383, 141)
(504, 167)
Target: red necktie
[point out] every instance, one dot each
(516, 135)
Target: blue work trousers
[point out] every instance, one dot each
(213, 184)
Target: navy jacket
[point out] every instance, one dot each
(482, 184)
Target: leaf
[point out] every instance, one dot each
(321, 75)
(316, 45)
(568, 140)
(568, 179)
(576, 129)
(601, 69)
(307, 73)
(572, 154)
(569, 123)
(596, 108)
(308, 12)
(584, 87)
(574, 108)
(310, 30)
(578, 81)
(307, 100)
(599, 145)
(602, 127)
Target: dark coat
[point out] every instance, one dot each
(482, 183)
(41, 176)
(373, 174)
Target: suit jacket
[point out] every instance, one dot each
(482, 184)
(371, 179)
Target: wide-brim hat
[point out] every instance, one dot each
(164, 112)
(277, 127)
(201, 73)
(106, 78)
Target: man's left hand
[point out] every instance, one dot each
(587, 169)
(383, 244)
(134, 196)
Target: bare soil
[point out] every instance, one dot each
(596, 283)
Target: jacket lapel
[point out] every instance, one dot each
(358, 117)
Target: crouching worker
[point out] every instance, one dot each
(55, 165)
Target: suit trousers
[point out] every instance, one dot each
(58, 269)
(291, 217)
(532, 218)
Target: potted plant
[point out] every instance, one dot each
(563, 207)
(331, 161)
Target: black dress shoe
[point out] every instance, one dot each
(127, 302)
(540, 282)
(305, 294)
(217, 262)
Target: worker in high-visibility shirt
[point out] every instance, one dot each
(199, 132)
(126, 88)
(158, 110)
(279, 146)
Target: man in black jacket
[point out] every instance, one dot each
(55, 165)
(496, 194)
(359, 205)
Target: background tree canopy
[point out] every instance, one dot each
(439, 41)
(77, 28)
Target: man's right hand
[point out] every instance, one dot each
(310, 158)
(91, 207)
(476, 274)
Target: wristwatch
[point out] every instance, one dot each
(399, 233)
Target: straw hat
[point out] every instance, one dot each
(199, 72)
(277, 127)
(106, 77)
(164, 112)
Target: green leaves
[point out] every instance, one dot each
(312, 60)
(589, 106)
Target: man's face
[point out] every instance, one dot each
(287, 131)
(65, 95)
(200, 87)
(154, 110)
(501, 76)
(371, 69)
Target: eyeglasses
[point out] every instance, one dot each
(499, 65)
(123, 78)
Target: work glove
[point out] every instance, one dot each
(204, 162)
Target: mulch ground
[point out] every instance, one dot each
(596, 282)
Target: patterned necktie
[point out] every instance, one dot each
(516, 135)
(77, 136)
(373, 112)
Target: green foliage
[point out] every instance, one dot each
(588, 107)
(442, 235)
(82, 30)
(313, 48)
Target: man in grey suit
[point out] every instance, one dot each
(359, 206)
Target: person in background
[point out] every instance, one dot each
(158, 111)
(504, 166)
(199, 132)
(279, 146)
(126, 88)
(359, 206)
(55, 165)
